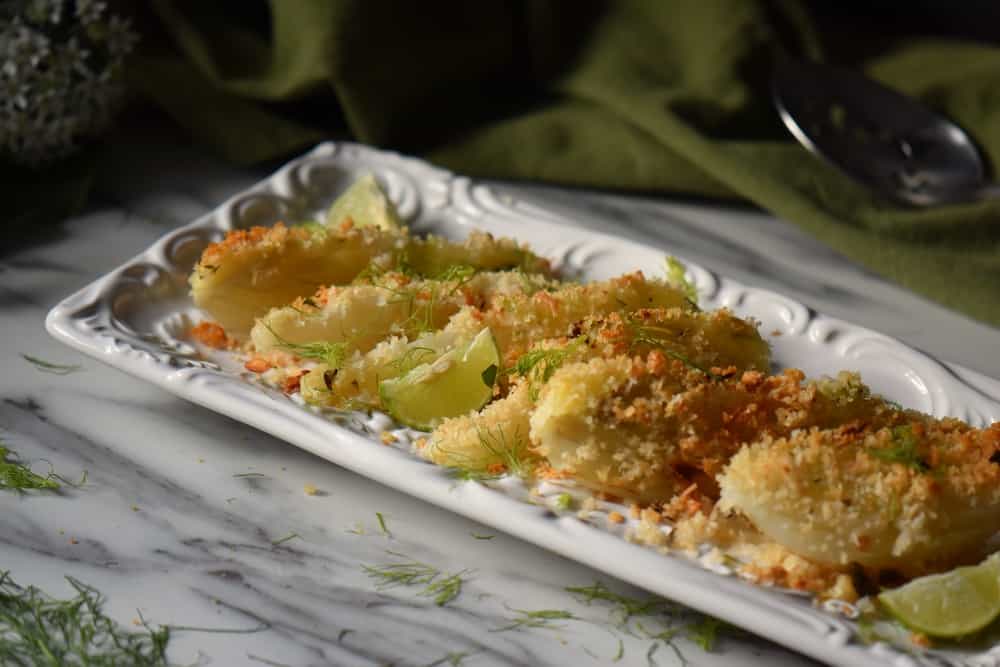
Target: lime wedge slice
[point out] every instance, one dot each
(956, 603)
(456, 383)
(366, 205)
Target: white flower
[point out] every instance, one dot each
(75, 57)
(45, 11)
(120, 38)
(89, 11)
(60, 75)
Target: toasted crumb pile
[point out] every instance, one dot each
(212, 335)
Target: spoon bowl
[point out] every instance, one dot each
(879, 137)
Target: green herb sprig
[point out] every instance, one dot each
(705, 632)
(381, 524)
(445, 284)
(286, 538)
(628, 612)
(677, 278)
(454, 659)
(659, 338)
(376, 270)
(435, 584)
(624, 607)
(412, 358)
(540, 365)
(458, 273)
(49, 367)
(331, 354)
(36, 629)
(511, 451)
(904, 449)
(539, 618)
(564, 501)
(18, 476)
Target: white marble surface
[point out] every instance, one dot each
(163, 525)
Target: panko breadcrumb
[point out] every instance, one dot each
(705, 339)
(212, 335)
(517, 321)
(649, 428)
(397, 304)
(914, 497)
(251, 271)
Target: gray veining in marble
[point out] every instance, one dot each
(182, 507)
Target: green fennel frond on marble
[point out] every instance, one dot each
(50, 367)
(537, 618)
(36, 629)
(442, 588)
(18, 476)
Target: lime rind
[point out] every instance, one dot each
(366, 204)
(454, 384)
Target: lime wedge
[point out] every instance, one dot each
(956, 603)
(366, 205)
(456, 383)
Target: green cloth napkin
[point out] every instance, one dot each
(652, 96)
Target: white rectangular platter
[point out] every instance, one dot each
(135, 318)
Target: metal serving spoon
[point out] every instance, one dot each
(879, 137)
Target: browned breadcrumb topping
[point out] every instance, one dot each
(616, 517)
(212, 335)
(687, 503)
(650, 515)
(910, 493)
(387, 438)
(258, 365)
(240, 239)
(677, 423)
(292, 381)
(546, 471)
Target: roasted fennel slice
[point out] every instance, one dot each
(516, 321)
(914, 496)
(708, 340)
(649, 428)
(394, 304)
(252, 271)
(464, 442)
(431, 256)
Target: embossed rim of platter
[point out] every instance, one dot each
(104, 320)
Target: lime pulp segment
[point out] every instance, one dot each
(366, 205)
(956, 603)
(456, 383)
